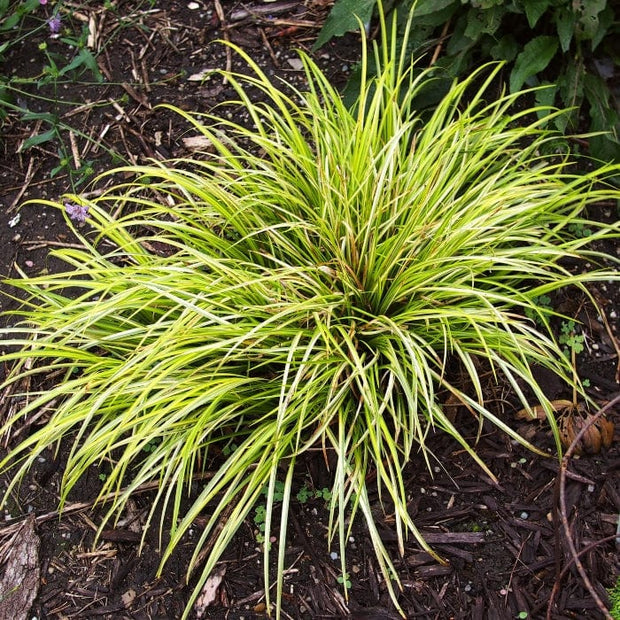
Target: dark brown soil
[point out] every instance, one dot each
(507, 551)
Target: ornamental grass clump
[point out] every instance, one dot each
(306, 285)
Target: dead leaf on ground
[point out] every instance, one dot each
(19, 572)
(538, 412)
(599, 434)
(571, 419)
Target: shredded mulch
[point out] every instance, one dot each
(540, 541)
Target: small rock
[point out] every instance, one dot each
(295, 63)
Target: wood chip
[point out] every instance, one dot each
(20, 572)
(208, 594)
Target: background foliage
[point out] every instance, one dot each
(571, 45)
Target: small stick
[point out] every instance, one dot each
(220, 15)
(22, 190)
(442, 37)
(75, 151)
(269, 48)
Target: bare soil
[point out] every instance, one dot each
(507, 543)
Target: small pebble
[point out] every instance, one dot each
(333, 555)
(524, 515)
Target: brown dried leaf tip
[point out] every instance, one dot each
(571, 419)
(599, 433)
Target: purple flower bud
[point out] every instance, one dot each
(54, 23)
(42, 1)
(77, 213)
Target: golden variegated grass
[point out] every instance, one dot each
(306, 285)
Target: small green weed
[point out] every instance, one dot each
(539, 304)
(345, 581)
(306, 493)
(62, 52)
(570, 338)
(580, 230)
(614, 600)
(260, 510)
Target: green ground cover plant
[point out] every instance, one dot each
(323, 278)
(569, 45)
(614, 598)
(62, 53)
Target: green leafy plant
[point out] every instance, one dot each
(59, 47)
(260, 511)
(567, 44)
(306, 493)
(344, 580)
(541, 306)
(326, 277)
(614, 600)
(569, 337)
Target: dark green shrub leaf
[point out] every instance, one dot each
(604, 118)
(565, 22)
(343, 18)
(588, 24)
(483, 22)
(426, 7)
(459, 40)
(506, 48)
(570, 84)
(485, 4)
(605, 22)
(535, 57)
(534, 10)
(545, 98)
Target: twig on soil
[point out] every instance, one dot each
(260, 11)
(266, 43)
(561, 487)
(224, 26)
(77, 162)
(22, 190)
